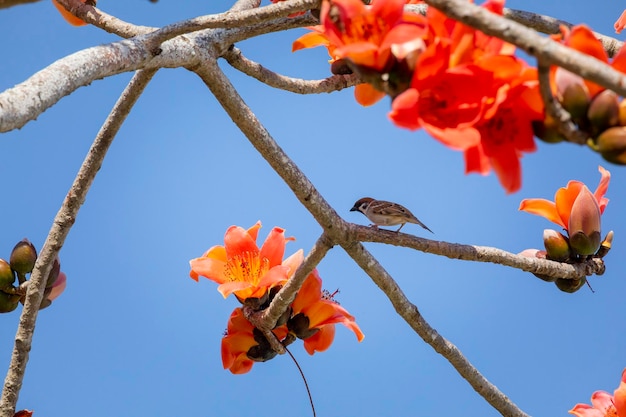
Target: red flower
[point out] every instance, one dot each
(315, 315)
(242, 268)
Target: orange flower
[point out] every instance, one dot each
(620, 23)
(242, 268)
(315, 315)
(506, 134)
(243, 344)
(71, 19)
(365, 34)
(560, 210)
(445, 101)
(604, 404)
(577, 211)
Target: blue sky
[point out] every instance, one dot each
(134, 335)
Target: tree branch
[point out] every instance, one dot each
(61, 226)
(480, 254)
(295, 85)
(412, 316)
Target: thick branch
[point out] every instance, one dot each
(61, 226)
(412, 316)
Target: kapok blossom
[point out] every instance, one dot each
(560, 210)
(577, 210)
(314, 316)
(242, 268)
(604, 404)
(472, 94)
(243, 344)
(70, 18)
(373, 38)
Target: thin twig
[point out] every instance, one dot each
(480, 254)
(267, 318)
(561, 117)
(231, 19)
(104, 21)
(412, 316)
(295, 85)
(61, 226)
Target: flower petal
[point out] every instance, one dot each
(619, 397)
(237, 240)
(210, 268)
(602, 188)
(321, 340)
(542, 207)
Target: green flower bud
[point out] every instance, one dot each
(7, 276)
(23, 257)
(8, 302)
(584, 224)
(546, 131)
(603, 112)
(299, 325)
(557, 245)
(611, 144)
(570, 285)
(572, 93)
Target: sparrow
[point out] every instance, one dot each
(386, 213)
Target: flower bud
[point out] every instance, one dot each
(611, 144)
(622, 113)
(8, 302)
(603, 112)
(23, 257)
(7, 276)
(572, 93)
(547, 131)
(584, 224)
(570, 285)
(557, 245)
(605, 246)
(299, 325)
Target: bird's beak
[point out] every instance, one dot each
(355, 208)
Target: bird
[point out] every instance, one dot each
(386, 213)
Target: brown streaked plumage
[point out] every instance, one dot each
(386, 213)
